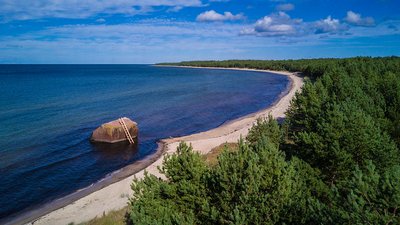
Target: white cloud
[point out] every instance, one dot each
(356, 19)
(211, 16)
(279, 24)
(283, 26)
(329, 25)
(266, 25)
(285, 7)
(23, 10)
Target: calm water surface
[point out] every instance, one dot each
(47, 114)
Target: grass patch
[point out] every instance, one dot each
(211, 158)
(112, 218)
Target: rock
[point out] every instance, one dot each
(113, 132)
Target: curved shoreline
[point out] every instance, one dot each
(112, 192)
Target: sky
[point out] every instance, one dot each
(151, 31)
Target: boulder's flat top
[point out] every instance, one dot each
(115, 123)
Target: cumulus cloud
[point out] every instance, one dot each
(285, 7)
(282, 25)
(22, 10)
(279, 24)
(356, 19)
(211, 16)
(329, 25)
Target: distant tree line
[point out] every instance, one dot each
(335, 159)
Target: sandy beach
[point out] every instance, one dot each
(113, 194)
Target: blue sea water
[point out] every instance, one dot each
(47, 114)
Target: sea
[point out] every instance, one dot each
(48, 112)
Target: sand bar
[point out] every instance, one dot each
(113, 192)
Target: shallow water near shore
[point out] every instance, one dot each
(47, 113)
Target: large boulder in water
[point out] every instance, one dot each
(113, 131)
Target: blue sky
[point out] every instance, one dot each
(150, 31)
